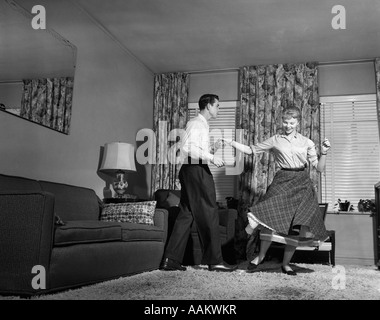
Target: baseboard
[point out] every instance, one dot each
(354, 261)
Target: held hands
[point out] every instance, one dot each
(218, 144)
(221, 143)
(325, 146)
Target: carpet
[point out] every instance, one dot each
(313, 282)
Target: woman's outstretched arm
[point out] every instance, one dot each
(239, 146)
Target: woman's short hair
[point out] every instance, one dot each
(207, 99)
(291, 112)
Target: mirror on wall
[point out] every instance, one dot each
(37, 68)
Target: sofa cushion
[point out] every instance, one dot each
(73, 202)
(13, 183)
(134, 212)
(76, 232)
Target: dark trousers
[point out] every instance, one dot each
(198, 202)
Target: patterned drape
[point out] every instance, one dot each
(170, 113)
(48, 102)
(264, 92)
(377, 72)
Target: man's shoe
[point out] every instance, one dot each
(171, 265)
(222, 267)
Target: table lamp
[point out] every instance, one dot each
(118, 158)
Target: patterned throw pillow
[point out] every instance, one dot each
(135, 212)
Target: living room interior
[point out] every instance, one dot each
(120, 48)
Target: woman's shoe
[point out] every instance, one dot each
(252, 267)
(249, 229)
(288, 272)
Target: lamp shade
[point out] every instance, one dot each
(118, 156)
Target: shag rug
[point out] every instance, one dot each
(313, 282)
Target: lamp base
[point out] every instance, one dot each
(120, 185)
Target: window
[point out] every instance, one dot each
(222, 126)
(353, 163)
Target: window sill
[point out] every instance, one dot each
(352, 213)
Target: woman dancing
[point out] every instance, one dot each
(289, 211)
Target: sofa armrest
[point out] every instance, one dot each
(26, 237)
(161, 220)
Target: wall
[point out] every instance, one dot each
(353, 237)
(113, 99)
(10, 94)
(347, 79)
(223, 83)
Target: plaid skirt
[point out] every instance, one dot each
(289, 211)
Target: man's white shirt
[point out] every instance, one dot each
(196, 140)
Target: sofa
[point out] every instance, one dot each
(53, 238)
(169, 200)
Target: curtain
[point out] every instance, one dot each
(48, 102)
(170, 116)
(264, 92)
(377, 72)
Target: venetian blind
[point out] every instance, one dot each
(223, 126)
(353, 163)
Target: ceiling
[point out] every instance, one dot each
(201, 35)
(211, 35)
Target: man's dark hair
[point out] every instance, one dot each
(206, 99)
